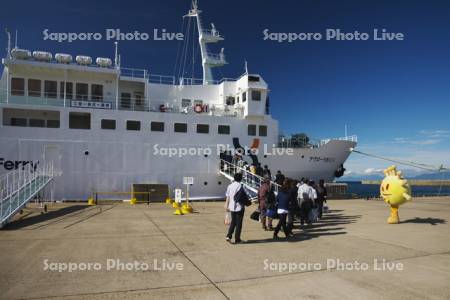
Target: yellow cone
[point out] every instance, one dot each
(133, 201)
(91, 201)
(168, 200)
(187, 208)
(175, 205)
(178, 211)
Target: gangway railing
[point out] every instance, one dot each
(19, 186)
(251, 182)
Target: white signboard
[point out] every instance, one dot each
(178, 193)
(188, 180)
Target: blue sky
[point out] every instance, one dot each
(393, 94)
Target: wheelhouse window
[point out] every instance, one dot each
(68, 88)
(256, 95)
(50, 89)
(17, 86)
(139, 100)
(37, 123)
(157, 126)
(180, 127)
(223, 129)
(108, 124)
(82, 90)
(262, 130)
(79, 120)
(125, 100)
(52, 123)
(202, 128)
(244, 97)
(97, 92)
(22, 122)
(34, 87)
(133, 125)
(251, 129)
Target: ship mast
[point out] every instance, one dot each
(205, 36)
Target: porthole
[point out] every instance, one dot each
(205, 183)
(86, 152)
(206, 155)
(219, 183)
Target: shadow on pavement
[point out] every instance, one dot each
(431, 221)
(325, 227)
(21, 223)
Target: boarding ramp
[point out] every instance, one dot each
(18, 187)
(251, 181)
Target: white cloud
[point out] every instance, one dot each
(436, 133)
(371, 171)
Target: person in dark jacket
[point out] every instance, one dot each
(266, 172)
(283, 208)
(293, 204)
(259, 170)
(279, 178)
(321, 196)
(263, 195)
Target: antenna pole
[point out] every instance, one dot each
(9, 43)
(116, 63)
(15, 44)
(345, 130)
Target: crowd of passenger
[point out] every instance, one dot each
(301, 200)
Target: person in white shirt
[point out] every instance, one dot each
(305, 197)
(236, 209)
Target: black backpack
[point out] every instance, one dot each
(241, 197)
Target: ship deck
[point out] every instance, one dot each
(354, 231)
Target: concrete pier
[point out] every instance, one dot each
(188, 257)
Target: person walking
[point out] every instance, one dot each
(283, 209)
(266, 172)
(305, 200)
(259, 170)
(237, 210)
(279, 178)
(293, 204)
(321, 196)
(263, 197)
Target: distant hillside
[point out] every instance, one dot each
(433, 176)
(408, 174)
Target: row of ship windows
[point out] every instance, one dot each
(83, 121)
(51, 89)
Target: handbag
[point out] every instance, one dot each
(227, 219)
(255, 215)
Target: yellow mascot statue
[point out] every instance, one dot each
(395, 191)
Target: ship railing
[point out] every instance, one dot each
(210, 32)
(251, 181)
(134, 73)
(306, 142)
(19, 186)
(161, 79)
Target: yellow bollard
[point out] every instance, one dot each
(133, 201)
(91, 201)
(187, 208)
(168, 200)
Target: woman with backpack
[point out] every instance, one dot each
(265, 196)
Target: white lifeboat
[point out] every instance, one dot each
(63, 58)
(42, 55)
(20, 53)
(103, 62)
(83, 60)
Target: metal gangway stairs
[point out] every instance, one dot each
(19, 186)
(250, 181)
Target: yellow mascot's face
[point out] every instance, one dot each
(394, 189)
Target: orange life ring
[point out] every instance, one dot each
(198, 108)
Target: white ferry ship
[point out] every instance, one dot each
(106, 127)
